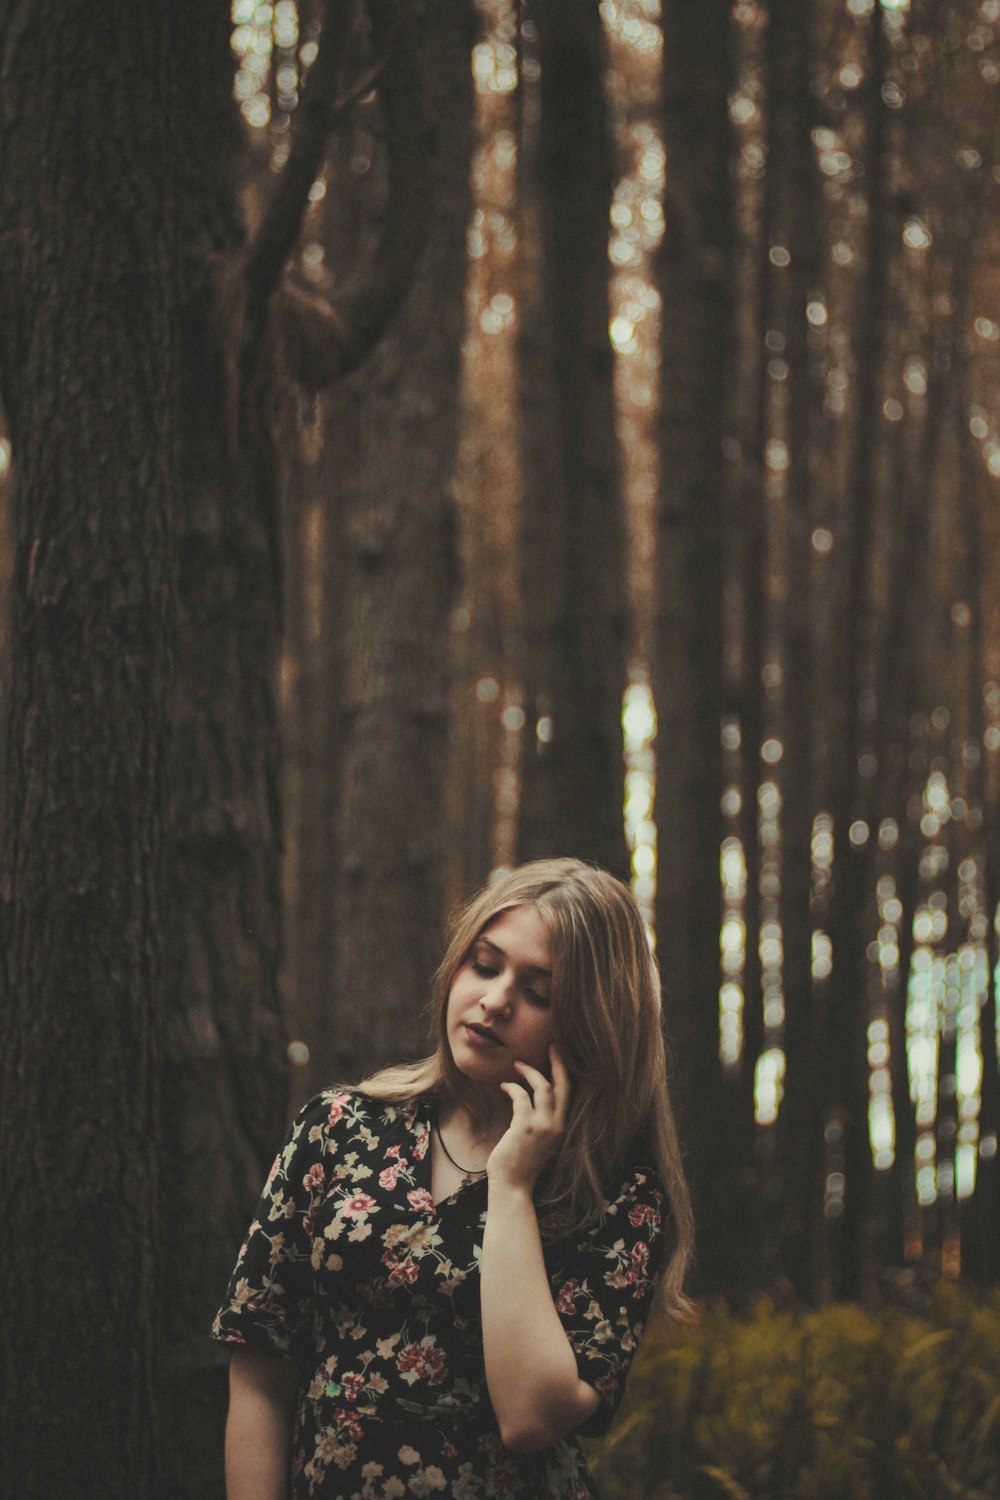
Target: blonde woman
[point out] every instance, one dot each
(451, 1265)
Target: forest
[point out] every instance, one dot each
(437, 434)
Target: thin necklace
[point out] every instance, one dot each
(471, 1174)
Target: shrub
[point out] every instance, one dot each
(842, 1404)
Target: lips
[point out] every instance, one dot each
(482, 1034)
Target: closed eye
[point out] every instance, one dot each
(486, 971)
(537, 999)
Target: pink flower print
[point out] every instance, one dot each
(387, 1177)
(644, 1213)
(639, 1261)
(361, 1203)
(406, 1273)
(422, 1142)
(564, 1301)
(348, 1424)
(421, 1200)
(314, 1179)
(393, 1150)
(605, 1385)
(353, 1384)
(337, 1107)
(422, 1362)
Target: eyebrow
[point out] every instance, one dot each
(534, 968)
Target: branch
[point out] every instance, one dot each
(320, 111)
(325, 340)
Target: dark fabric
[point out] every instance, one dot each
(350, 1270)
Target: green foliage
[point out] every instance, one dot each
(842, 1404)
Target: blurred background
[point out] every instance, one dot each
(442, 435)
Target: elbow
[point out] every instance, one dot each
(524, 1440)
(531, 1429)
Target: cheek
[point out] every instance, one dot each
(541, 1034)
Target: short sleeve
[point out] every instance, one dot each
(268, 1300)
(603, 1284)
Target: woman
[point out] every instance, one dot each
(451, 1265)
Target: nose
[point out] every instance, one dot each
(495, 998)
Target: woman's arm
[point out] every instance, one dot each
(258, 1429)
(531, 1371)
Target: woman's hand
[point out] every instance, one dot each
(536, 1127)
(534, 1382)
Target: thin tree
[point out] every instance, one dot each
(694, 276)
(795, 231)
(573, 555)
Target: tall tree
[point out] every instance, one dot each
(396, 427)
(841, 1038)
(88, 300)
(573, 548)
(694, 281)
(795, 230)
(251, 330)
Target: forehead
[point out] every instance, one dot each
(521, 935)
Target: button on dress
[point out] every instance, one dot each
(351, 1271)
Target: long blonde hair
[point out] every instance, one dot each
(606, 1020)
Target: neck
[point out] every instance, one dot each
(487, 1122)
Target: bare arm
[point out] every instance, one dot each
(531, 1371)
(258, 1429)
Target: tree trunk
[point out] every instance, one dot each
(694, 278)
(224, 1081)
(543, 489)
(573, 568)
(843, 1034)
(249, 333)
(88, 299)
(396, 437)
(795, 225)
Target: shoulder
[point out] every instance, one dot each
(342, 1113)
(636, 1194)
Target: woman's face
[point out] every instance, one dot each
(499, 1003)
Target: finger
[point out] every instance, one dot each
(517, 1095)
(561, 1083)
(541, 1087)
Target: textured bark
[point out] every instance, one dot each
(310, 719)
(694, 278)
(396, 434)
(224, 1086)
(573, 547)
(247, 335)
(88, 294)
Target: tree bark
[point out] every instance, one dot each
(573, 548)
(224, 1080)
(88, 299)
(246, 337)
(396, 434)
(694, 279)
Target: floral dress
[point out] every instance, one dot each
(353, 1272)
